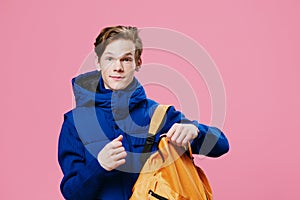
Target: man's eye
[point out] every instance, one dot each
(127, 59)
(109, 58)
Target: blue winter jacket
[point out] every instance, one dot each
(100, 116)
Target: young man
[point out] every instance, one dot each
(102, 138)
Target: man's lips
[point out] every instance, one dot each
(117, 77)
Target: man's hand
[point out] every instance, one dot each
(112, 155)
(181, 134)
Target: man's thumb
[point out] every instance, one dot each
(119, 138)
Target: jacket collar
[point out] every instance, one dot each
(89, 91)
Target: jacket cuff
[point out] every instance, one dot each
(95, 168)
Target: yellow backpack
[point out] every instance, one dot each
(170, 173)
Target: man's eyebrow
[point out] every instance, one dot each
(127, 54)
(110, 53)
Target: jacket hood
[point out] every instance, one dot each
(89, 91)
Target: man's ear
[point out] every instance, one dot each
(97, 63)
(138, 65)
(98, 66)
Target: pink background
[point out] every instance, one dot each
(255, 45)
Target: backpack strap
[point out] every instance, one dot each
(157, 118)
(155, 123)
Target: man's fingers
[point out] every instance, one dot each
(120, 156)
(113, 154)
(186, 139)
(118, 150)
(181, 137)
(120, 162)
(171, 131)
(117, 142)
(176, 134)
(119, 138)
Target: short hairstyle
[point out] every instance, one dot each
(109, 34)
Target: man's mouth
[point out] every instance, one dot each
(116, 78)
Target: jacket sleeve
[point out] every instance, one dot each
(210, 141)
(82, 176)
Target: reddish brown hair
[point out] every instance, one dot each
(109, 34)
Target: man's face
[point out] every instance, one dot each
(117, 64)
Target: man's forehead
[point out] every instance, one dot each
(118, 54)
(120, 47)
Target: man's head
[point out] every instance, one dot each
(119, 52)
(109, 34)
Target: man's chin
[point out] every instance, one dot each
(117, 87)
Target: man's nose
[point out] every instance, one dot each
(118, 65)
